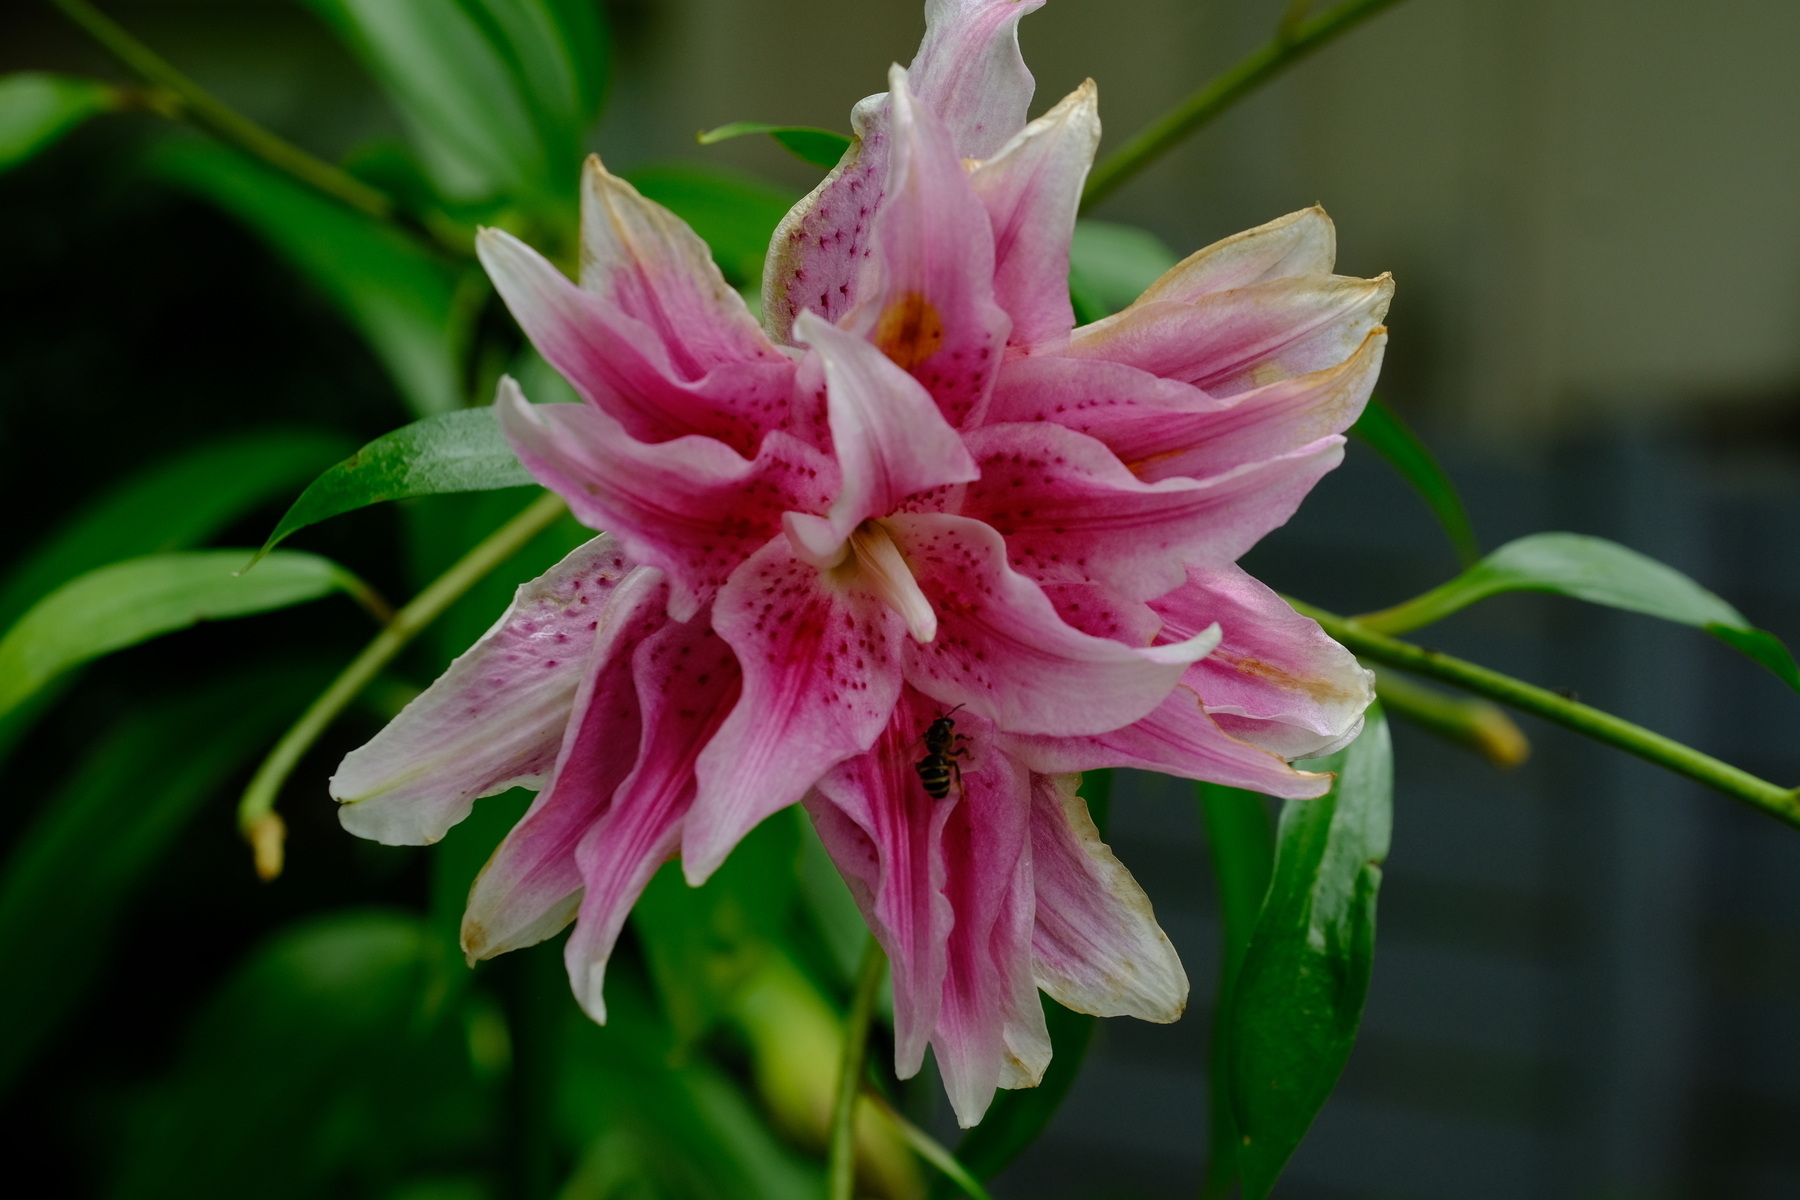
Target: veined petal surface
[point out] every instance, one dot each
(494, 720)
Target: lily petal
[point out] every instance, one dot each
(1096, 946)
(889, 439)
(1276, 681)
(1229, 342)
(925, 297)
(970, 71)
(1301, 245)
(1072, 513)
(1032, 188)
(1002, 650)
(494, 720)
(1177, 739)
(687, 681)
(531, 886)
(1253, 426)
(634, 364)
(821, 661)
(691, 506)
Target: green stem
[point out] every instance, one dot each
(840, 1171)
(1474, 724)
(221, 118)
(257, 818)
(1781, 803)
(1157, 138)
(930, 1149)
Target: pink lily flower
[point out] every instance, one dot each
(920, 493)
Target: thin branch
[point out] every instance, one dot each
(840, 1170)
(208, 110)
(257, 818)
(1473, 724)
(1156, 139)
(1781, 803)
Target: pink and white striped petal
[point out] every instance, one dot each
(1096, 946)
(1002, 650)
(632, 363)
(1301, 245)
(1230, 342)
(925, 296)
(494, 720)
(1177, 739)
(1072, 513)
(1031, 189)
(531, 886)
(820, 652)
(887, 435)
(969, 70)
(691, 506)
(687, 681)
(1276, 681)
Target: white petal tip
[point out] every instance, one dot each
(1190, 651)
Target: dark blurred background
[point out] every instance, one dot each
(1588, 980)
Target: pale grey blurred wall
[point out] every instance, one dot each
(1587, 203)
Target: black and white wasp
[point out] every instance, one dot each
(943, 746)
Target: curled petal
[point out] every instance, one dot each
(969, 70)
(1301, 245)
(1031, 189)
(531, 886)
(1229, 342)
(687, 680)
(1176, 739)
(653, 383)
(1002, 650)
(1072, 513)
(691, 506)
(820, 654)
(1257, 425)
(1096, 946)
(647, 263)
(494, 720)
(1276, 681)
(889, 439)
(1090, 395)
(925, 297)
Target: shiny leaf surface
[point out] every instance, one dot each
(37, 108)
(130, 602)
(820, 147)
(1299, 995)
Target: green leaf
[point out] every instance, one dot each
(1242, 848)
(1600, 572)
(126, 603)
(496, 95)
(398, 294)
(311, 1072)
(461, 451)
(1305, 975)
(820, 147)
(37, 108)
(1388, 435)
(734, 214)
(1110, 265)
(172, 504)
(72, 873)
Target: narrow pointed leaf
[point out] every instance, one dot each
(734, 214)
(1389, 436)
(462, 451)
(36, 109)
(1600, 572)
(399, 295)
(178, 502)
(130, 602)
(129, 798)
(820, 147)
(1300, 992)
(1242, 849)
